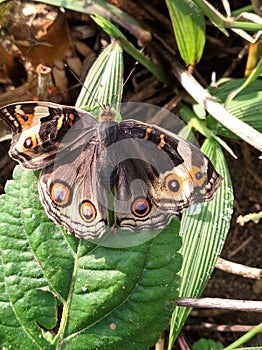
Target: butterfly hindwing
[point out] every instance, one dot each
(69, 192)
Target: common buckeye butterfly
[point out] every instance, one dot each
(142, 173)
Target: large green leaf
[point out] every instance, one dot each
(11, 331)
(27, 302)
(110, 298)
(246, 105)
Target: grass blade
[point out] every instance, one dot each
(187, 18)
(104, 82)
(203, 237)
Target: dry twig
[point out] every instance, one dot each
(239, 269)
(241, 129)
(220, 327)
(255, 217)
(219, 303)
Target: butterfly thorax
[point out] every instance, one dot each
(107, 114)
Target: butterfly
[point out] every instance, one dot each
(98, 173)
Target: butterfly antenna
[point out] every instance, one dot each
(115, 97)
(130, 73)
(83, 85)
(127, 78)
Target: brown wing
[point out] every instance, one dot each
(159, 175)
(38, 129)
(71, 194)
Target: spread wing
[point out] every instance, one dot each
(38, 129)
(159, 175)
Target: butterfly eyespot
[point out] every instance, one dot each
(198, 176)
(140, 207)
(23, 118)
(61, 194)
(173, 183)
(87, 211)
(30, 142)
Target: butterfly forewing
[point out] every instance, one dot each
(38, 130)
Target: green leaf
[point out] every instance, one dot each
(246, 105)
(189, 28)
(213, 14)
(27, 302)
(207, 344)
(127, 290)
(111, 298)
(103, 84)
(198, 124)
(203, 232)
(11, 331)
(252, 77)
